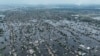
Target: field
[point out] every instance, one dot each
(31, 31)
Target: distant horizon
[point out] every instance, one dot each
(49, 2)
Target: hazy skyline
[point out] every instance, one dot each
(36, 2)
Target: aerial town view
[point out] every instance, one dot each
(49, 30)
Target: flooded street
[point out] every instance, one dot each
(49, 38)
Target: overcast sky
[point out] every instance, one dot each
(78, 2)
